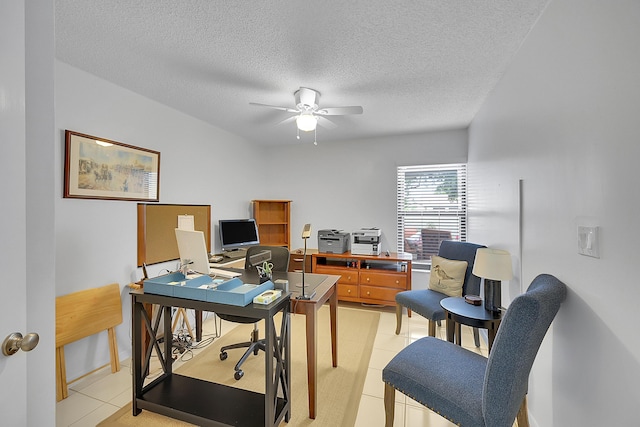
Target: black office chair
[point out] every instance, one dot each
(280, 261)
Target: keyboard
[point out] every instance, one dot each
(235, 254)
(223, 273)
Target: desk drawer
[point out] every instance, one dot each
(295, 262)
(377, 293)
(390, 280)
(347, 291)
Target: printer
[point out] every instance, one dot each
(366, 241)
(333, 241)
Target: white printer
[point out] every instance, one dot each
(366, 241)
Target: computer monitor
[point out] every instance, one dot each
(193, 250)
(238, 233)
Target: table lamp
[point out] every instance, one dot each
(306, 233)
(493, 265)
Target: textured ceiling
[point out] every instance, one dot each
(414, 66)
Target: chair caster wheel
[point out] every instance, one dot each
(223, 355)
(239, 374)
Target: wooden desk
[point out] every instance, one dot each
(200, 402)
(458, 312)
(325, 290)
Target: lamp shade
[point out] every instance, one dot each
(306, 122)
(493, 264)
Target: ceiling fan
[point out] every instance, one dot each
(308, 113)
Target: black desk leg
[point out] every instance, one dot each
(198, 315)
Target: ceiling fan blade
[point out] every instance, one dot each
(287, 109)
(340, 111)
(287, 120)
(326, 123)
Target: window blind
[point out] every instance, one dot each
(431, 207)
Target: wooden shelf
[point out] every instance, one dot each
(273, 218)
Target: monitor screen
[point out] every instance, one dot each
(193, 250)
(238, 233)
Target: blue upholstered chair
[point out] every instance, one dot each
(467, 388)
(426, 302)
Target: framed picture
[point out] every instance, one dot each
(97, 168)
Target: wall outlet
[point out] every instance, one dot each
(589, 241)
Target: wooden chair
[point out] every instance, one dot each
(81, 314)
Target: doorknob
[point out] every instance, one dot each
(16, 341)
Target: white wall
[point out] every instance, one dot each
(332, 185)
(350, 185)
(96, 239)
(564, 120)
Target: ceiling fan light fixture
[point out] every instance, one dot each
(306, 122)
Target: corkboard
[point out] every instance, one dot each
(156, 230)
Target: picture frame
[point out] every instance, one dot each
(98, 168)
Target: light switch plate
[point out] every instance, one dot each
(589, 241)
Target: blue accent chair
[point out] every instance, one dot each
(467, 388)
(426, 302)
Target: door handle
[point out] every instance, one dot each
(14, 342)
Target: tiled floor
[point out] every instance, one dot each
(97, 396)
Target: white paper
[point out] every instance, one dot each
(186, 222)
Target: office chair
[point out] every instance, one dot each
(280, 261)
(426, 302)
(467, 388)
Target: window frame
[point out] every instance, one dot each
(436, 201)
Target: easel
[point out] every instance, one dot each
(182, 313)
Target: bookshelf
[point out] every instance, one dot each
(273, 218)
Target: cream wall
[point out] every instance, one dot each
(564, 120)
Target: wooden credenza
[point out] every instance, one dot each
(372, 279)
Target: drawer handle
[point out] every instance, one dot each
(348, 291)
(368, 293)
(397, 282)
(367, 279)
(348, 277)
(298, 259)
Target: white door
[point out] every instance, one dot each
(27, 284)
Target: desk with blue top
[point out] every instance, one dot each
(324, 287)
(201, 402)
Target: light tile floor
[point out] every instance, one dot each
(96, 396)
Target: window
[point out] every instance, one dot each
(432, 206)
